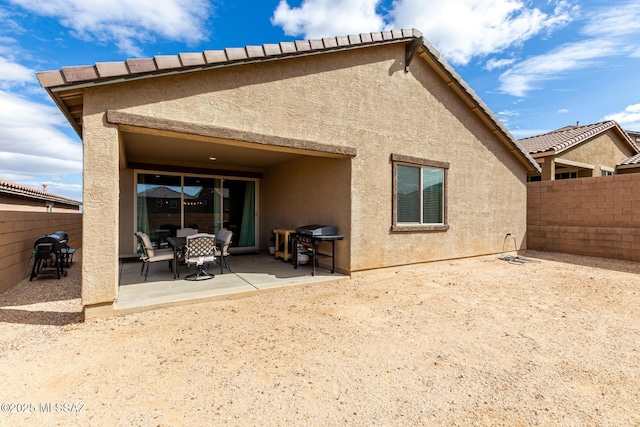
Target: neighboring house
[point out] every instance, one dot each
(630, 165)
(17, 197)
(372, 133)
(634, 135)
(580, 151)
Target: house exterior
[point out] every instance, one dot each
(634, 135)
(18, 197)
(372, 133)
(630, 165)
(596, 149)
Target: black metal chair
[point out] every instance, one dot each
(200, 248)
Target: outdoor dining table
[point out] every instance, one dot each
(177, 243)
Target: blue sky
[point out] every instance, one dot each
(538, 64)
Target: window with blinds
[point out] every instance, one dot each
(419, 195)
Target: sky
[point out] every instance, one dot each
(538, 64)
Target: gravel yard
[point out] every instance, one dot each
(466, 342)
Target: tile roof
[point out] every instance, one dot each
(11, 188)
(569, 136)
(62, 84)
(104, 71)
(633, 160)
(163, 193)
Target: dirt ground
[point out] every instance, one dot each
(467, 342)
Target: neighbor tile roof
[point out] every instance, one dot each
(162, 193)
(62, 84)
(633, 160)
(569, 136)
(11, 188)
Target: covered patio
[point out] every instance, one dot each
(250, 273)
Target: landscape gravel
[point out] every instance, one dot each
(473, 342)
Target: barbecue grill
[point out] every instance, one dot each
(48, 256)
(317, 230)
(306, 240)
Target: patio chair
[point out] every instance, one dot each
(200, 248)
(150, 255)
(184, 232)
(223, 240)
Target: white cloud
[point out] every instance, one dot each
(12, 74)
(31, 144)
(452, 26)
(493, 63)
(463, 29)
(610, 31)
(563, 111)
(508, 113)
(614, 21)
(629, 118)
(526, 75)
(127, 22)
(320, 18)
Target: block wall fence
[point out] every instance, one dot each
(586, 216)
(19, 231)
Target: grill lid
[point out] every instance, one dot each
(317, 230)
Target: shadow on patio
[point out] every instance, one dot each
(250, 273)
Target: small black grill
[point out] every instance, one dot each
(50, 254)
(306, 240)
(317, 230)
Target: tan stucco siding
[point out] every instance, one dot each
(486, 184)
(607, 149)
(100, 206)
(359, 98)
(309, 190)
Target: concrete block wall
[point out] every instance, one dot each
(586, 216)
(19, 231)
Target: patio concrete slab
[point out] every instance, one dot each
(250, 274)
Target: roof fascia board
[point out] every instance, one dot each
(630, 166)
(565, 162)
(65, 111)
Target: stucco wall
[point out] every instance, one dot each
(586, 216)
(309, 190)
(18, 233)
(100, 206)
(359, 98)
(607, 149)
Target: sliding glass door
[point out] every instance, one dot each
(239, 211)
(159, 206)
(166, 203)
(202, 204)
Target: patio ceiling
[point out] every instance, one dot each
(176, 150)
